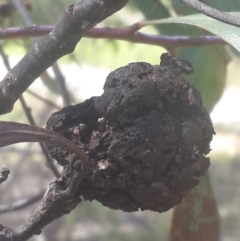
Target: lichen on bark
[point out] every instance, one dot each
(146, 137)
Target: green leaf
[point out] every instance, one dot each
(222, 5)
(155, 9)
(210, 70)
(230, 34)
(210, 62)
(181, 9)
(152, 9)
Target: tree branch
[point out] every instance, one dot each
(212, 12)
(129, 34)
(77, 19)
(61, 196)
(31, 120)
(19, 6)
(13, 132)
(59, 199)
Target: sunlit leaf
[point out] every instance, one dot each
(230, 34)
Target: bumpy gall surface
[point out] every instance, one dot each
(146, 137)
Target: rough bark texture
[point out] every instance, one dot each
(62, 40)
(146, 137)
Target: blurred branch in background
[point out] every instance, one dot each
(46, 101)
(31, 120)
(66, 34)
(18, 205)
(21, 9)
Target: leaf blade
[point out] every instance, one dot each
(228, 33)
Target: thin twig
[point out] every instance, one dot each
(21, 204)
(156, 40)
(46, 101)
(49, 160)
(61, 84)
(127, 34)
(19, 6)
(14, 132)
(212, 12)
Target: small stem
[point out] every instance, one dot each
(49, 160)
(46, 101)
(62, 84)
(120, 34)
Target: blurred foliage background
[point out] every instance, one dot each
(216, 72)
